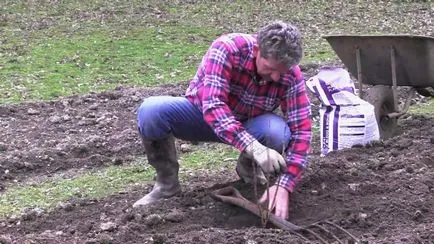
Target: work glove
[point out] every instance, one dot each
(269, 160)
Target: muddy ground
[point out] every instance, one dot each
(382, 193)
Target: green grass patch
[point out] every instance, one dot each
(209, 158)
(319, 52)
(89, 185)
(316, 127)
(426, 109)
(64, 66)
(50, 49)
(48, 194)
(73, 47)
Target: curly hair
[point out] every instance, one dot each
(281, 41)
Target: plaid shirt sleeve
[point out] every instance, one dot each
(217, 68)
(297, 109)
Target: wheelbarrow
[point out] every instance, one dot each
(385, 62)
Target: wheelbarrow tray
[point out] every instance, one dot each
(414, 58)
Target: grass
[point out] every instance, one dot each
(65, 66)
(46, 195)
(209, 159)
(51, 49)
(426, 109)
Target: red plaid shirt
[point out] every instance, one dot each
(228, 91)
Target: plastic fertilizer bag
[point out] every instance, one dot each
(345, 119)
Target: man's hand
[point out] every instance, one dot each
(280, 196)
(270, 161)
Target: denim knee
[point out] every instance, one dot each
(271, 130)
(277, 138)
(151, 120)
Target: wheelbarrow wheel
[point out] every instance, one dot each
(382, 98)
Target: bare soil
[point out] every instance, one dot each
(382, 193)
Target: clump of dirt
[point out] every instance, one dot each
(382, 192)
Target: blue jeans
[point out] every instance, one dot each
(160, 116)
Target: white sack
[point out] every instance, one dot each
(345, 119)
(345, 126)
(334, 87)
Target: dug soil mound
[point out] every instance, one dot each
(381, 193)
(75, 132)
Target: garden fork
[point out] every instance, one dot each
(323, 231)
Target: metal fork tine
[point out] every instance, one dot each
(317, 236)
(300, 235)
(341, 229)
(231, 195)
(317, 225)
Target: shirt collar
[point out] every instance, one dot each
(250, 65)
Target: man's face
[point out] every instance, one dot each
(268, 68)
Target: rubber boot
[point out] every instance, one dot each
(161, 155)
(245, 170)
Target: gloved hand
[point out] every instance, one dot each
(270, 161)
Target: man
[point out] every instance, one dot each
(241, 80)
